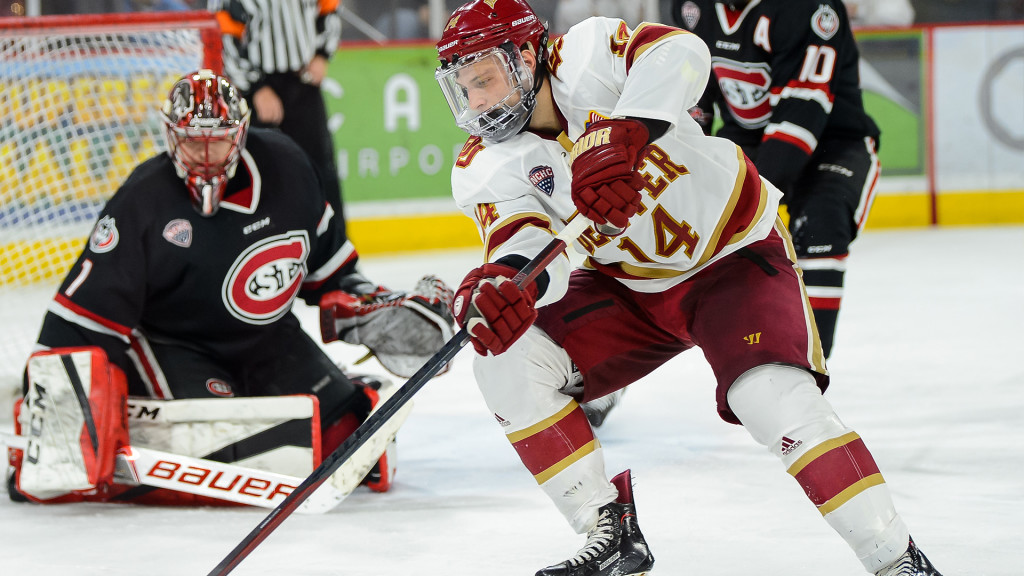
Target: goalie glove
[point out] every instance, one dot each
(403, 330)
(493, 309)
(605, 184)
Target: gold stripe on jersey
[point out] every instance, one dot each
(743, 210)
(815, 355)
(631, 271)
(565, 141)
(511, 226)
(644, 37)
(714, 245)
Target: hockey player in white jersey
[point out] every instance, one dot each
(686, 250)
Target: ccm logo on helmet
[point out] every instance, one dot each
(264, 280)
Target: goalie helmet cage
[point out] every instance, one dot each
(81, 97)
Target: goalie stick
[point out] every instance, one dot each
(530, 271)
(233, 483)
(220, 480)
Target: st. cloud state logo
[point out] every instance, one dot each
(264, 280)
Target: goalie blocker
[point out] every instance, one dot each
(76, 396)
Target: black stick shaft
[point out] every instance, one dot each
(385, 412)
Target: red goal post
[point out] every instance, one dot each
(80, 97)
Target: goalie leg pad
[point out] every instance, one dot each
(74, 418)
(374, 463)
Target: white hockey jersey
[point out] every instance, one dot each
(703, 199)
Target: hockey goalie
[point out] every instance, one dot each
(170, 367)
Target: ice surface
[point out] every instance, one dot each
(927, 369)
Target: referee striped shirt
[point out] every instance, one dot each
(264, 37)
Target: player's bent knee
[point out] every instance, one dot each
(782, 408)
(523, 385)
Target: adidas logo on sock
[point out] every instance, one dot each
(788, 445)
(504, 423)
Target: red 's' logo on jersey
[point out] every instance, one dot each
(746, 89)
(264, 280)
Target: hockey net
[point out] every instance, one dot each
(80, 98)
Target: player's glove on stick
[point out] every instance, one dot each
(493, 309)
(605, 184)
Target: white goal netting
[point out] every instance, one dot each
(80, 98)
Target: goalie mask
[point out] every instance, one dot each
(490, 90)
(206, 122)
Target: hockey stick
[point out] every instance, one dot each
(260, 533)
(225, 481)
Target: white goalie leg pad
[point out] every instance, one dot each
(73, 419)
(278, 431)
(523, 389)
(351, 474)
(200, 427)
(783, 409)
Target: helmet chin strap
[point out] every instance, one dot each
(539, 76)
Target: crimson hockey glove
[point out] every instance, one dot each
(493, 309)
(605, 184)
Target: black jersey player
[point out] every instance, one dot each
(189, 275)
(785, 81)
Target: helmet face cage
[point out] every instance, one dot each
(206, 123)
(476, 31)
(489, 92)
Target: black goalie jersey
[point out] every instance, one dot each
(155, 269)
(784, 76)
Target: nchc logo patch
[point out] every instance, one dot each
(179, 232)
(691, 14)
(543, 177)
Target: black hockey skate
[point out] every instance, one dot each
(615, 546)
(912, 563)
